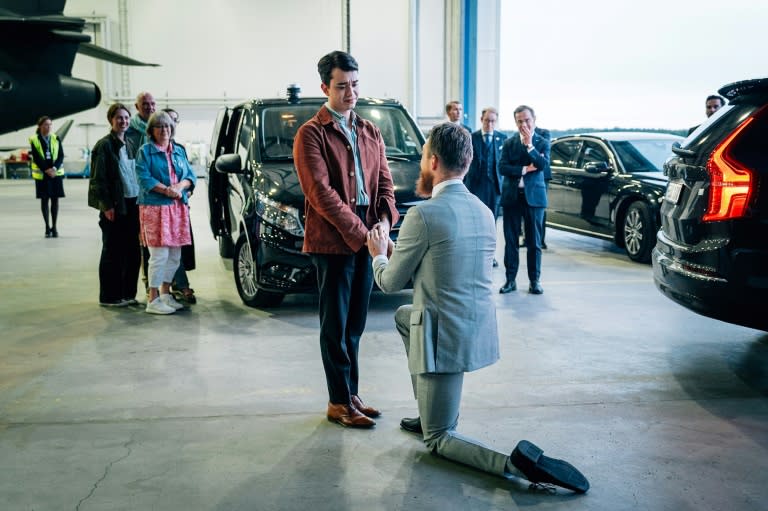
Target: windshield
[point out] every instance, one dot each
(647, 155)
(280, 123)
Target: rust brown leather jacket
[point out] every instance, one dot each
(326, 168)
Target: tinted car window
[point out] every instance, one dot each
(593, 153)
(563, 152)
(281, 123)
(399, 136)
(643, 155)
(244, 137)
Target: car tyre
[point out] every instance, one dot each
(247, 278)
(638, 232)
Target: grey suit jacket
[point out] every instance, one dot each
(446, 244)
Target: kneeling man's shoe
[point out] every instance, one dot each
(367, 410)
(508, 287)
(412, 425)
(348, 416)
(535, 288)
(537, 468)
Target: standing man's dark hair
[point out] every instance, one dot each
(523, 108)
(718, 98)
(348, 191)
(713, 103)
(334, 60)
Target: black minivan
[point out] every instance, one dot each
(255, 201)
(711, 254)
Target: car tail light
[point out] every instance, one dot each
(731, 182)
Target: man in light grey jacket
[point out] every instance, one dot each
(446, 245)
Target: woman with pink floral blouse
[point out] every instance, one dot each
(165, 180)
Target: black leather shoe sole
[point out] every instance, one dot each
(412, 425)
(537, 468)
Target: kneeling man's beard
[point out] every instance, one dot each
(424, 185)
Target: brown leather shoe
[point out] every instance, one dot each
(367, 410)
(348, 416)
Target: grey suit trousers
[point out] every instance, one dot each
(439, 397)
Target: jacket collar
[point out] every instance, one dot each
(326, 117)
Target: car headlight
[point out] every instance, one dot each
(279, 215)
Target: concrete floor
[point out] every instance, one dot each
(222, 407)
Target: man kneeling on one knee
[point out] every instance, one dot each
(446, 245)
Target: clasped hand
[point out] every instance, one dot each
(174, 191)
(378, 241)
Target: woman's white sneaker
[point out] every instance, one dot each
(171, 302)
(157, 306)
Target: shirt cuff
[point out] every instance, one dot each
(381, 257)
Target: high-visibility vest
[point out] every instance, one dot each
(37, 172)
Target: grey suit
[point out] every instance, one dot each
(446, 245)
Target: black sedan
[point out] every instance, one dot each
(609, 185)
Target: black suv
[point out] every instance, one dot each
(256, 204)
(711, 254)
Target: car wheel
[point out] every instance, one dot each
(247, 277)
(639, 232)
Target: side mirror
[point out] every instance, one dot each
(229, 164)
(599, 167)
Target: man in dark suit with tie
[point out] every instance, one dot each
(483, 178)
(524, 163)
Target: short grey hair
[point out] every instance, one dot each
(160, 117)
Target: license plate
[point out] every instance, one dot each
(673, 192)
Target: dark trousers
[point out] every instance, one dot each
(532, 219)
(120, 254)
(345, 283)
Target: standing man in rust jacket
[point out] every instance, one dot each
(342, 168)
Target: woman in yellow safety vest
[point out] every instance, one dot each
(47, 155)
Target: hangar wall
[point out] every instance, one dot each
(213, 54)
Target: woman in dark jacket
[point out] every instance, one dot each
(47, 155)
(113, 190)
